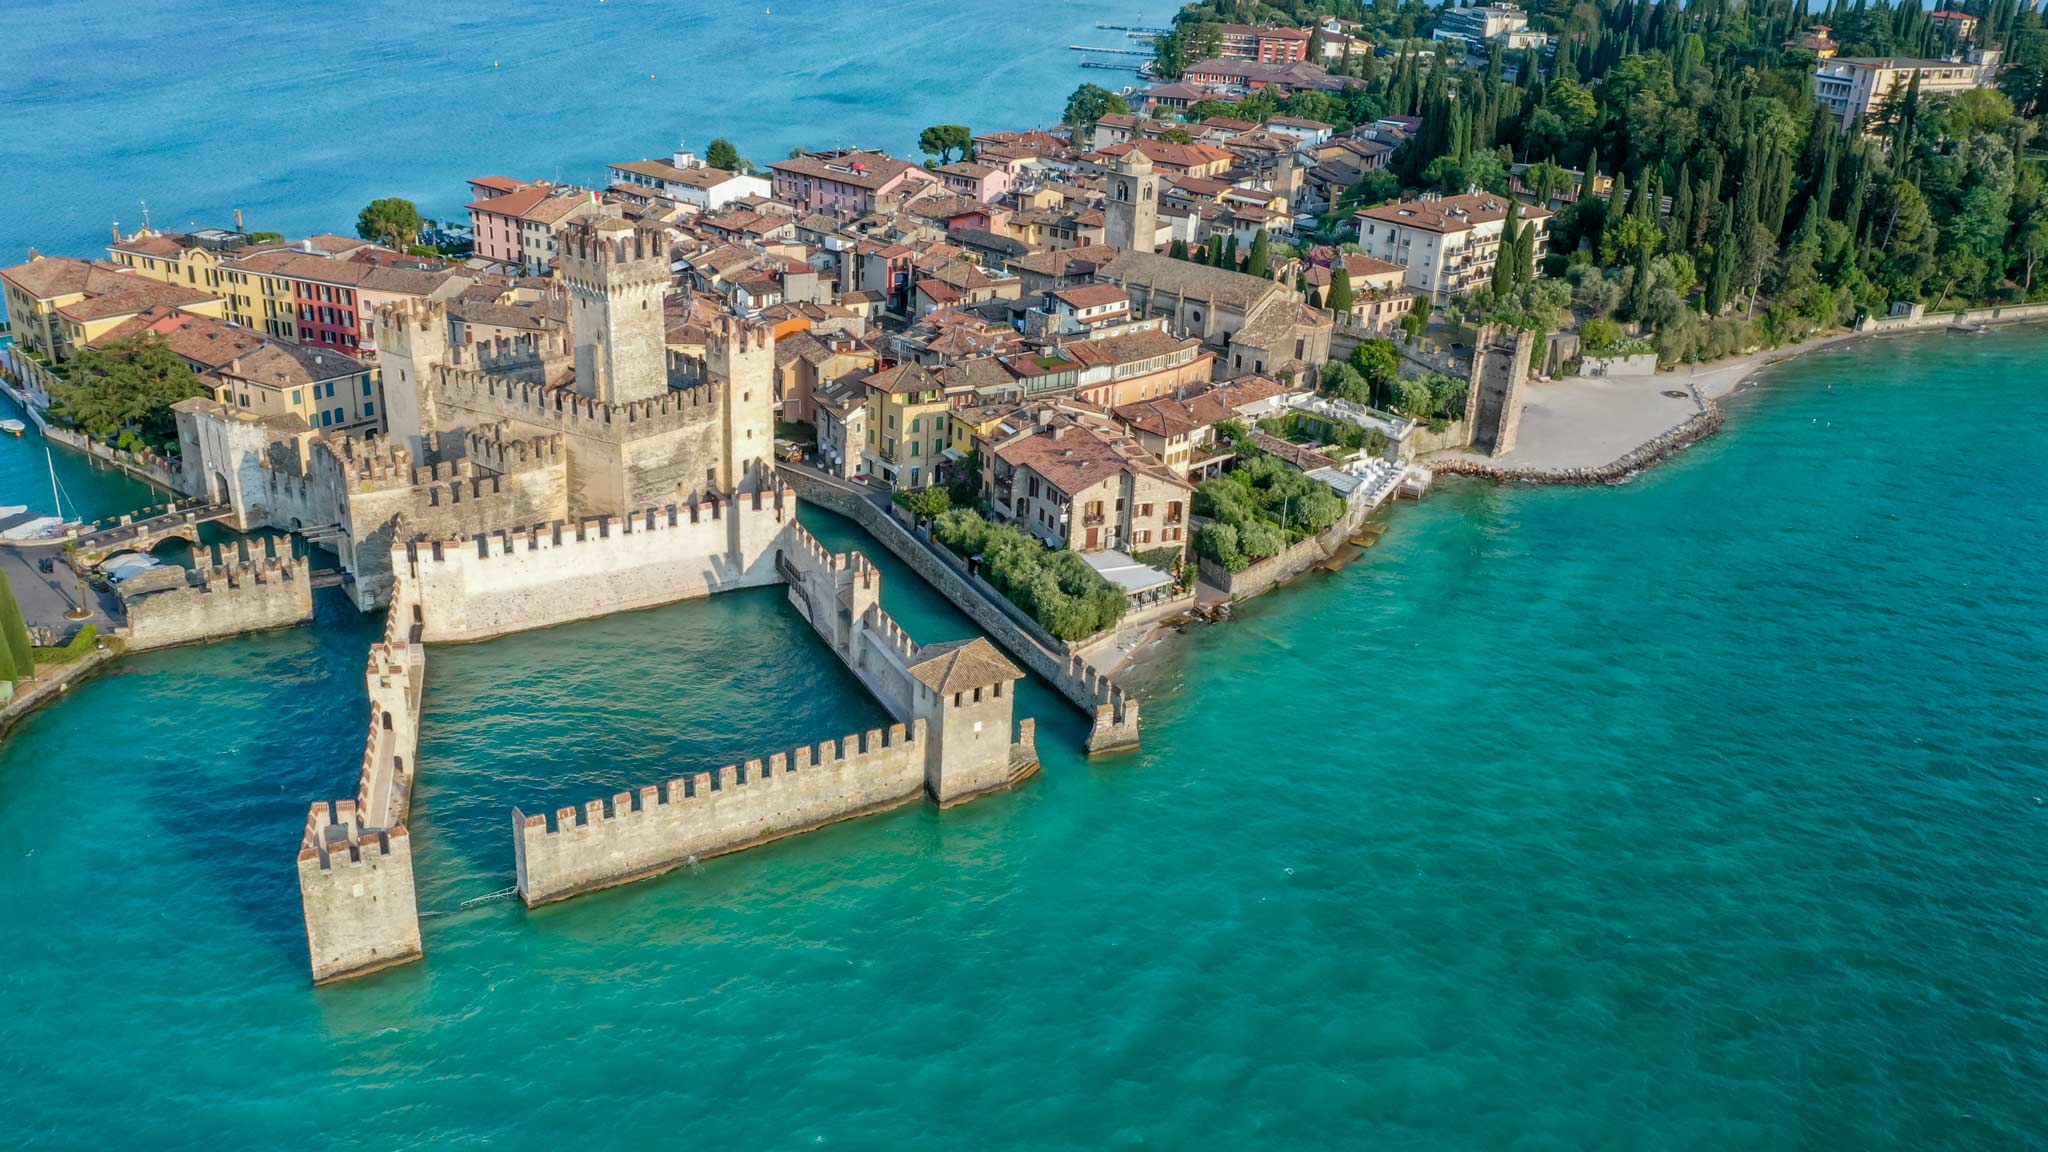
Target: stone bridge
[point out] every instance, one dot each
(129, 535)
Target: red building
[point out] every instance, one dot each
(1265, 45)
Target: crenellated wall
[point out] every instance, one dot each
(510, 581)
(1115, 713)
(965, 691)
(355, 858)
(171, 606)
(705, 814)
(499, 482)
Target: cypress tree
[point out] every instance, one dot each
(1259, 263)
(1179, 250)
(16, 661)
(1721, 278)
(1340, 287)
(1230, 253)
(1525, 256)
(1505, 274)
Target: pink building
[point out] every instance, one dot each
(842, 184)
(980, 181)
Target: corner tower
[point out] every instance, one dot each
(618, 275)
(1131, 213)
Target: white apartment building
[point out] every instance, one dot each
(1852, 87)
(1448, 244)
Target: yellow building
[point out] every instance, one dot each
(908, 429)
(56, 304)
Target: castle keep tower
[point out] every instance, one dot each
(1131, 214)
(618, 276)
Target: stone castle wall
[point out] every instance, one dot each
(1115, 714)
(498, 484)
(355, 857)
(510, 581)
(706, 814)
(220, 601)
(971, 750)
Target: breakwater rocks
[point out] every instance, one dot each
(1703, 424)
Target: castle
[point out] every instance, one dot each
(533, 482)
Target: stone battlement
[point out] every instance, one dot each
(561, 410)
(659, 827)
(495, 449)
(883, 630)
(336, 838)
(595, 529)
(168, 606)
(515, 579)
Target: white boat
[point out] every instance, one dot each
(13, 427)
(40, 528)
(7, 510)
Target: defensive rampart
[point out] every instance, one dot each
(355, 858)
(1114, 714)
(171, 606)
(499, 481)
(493, 584)
(706, 813)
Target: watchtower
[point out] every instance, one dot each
(1131, 214)
(618, 276)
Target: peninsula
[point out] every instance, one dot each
(1161, 359)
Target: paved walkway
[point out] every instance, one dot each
(46, 597)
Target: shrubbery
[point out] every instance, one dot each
(79, 646)
(1259, 508)
(1067, 597)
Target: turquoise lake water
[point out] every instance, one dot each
(299, 114)
(1703, 812)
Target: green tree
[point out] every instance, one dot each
(1178, 250)
(943, 140)
(1597, 335)
(1230, 257)
(1177, 136)
(925, 503)
(1089, 103)
(1259, 263)
(722, 155)
(128, 384)
(16, 661)
(1344, 382)
(392, 221)
(1340, 288)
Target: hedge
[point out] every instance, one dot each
(79, 646)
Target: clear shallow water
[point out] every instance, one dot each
(300, 114)
(1701, 813)
(90, 492)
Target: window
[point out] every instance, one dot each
(366, 385)
(326, 419)
(295, 397)
(369, 409)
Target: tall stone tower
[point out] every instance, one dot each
(1131, 214)
(412, 339)
(740, 358)
(618, 275)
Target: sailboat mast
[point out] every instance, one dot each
(55, 493)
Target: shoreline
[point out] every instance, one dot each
(1710, 383)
